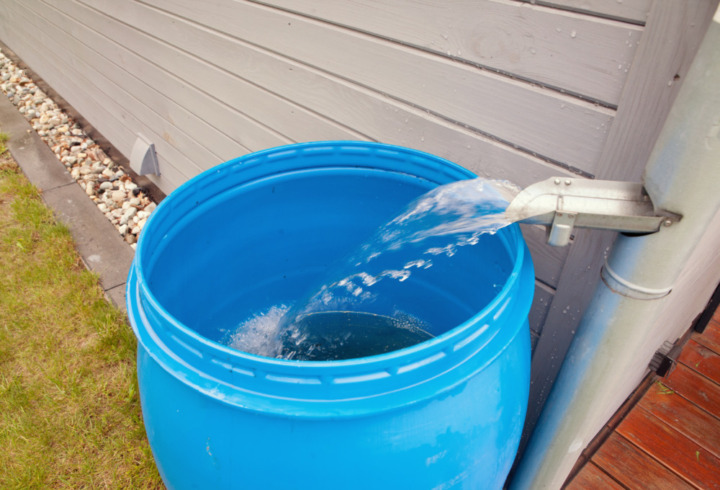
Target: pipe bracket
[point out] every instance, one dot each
(563, 204)
(629, 289)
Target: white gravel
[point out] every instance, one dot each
(111, 189)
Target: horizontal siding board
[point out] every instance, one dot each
(111, 119)
(577, 53)
(205, 90)
(382, 117)
(539, 120)
(185, 149)
(188, 134)
(664, 56)
(630, 10)
(140, 78)
(376, 116)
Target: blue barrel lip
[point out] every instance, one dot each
(222, 372)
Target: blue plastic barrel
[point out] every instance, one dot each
(258, 231)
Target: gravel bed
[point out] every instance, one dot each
(126, 205)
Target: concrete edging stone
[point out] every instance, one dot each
(101, 248)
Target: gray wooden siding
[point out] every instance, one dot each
(517, 90)
(210, 83)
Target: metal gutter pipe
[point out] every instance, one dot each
(620, 330)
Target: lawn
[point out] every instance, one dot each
(69, 407)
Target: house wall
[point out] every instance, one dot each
(507, 89)
(517, 90)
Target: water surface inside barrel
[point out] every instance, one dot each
(337, 335)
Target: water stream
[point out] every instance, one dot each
(354, 311)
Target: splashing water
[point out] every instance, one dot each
(260, 333)
(353, 313)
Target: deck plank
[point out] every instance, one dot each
(710, 338)
(701, 359)
(671, 448)
(685, 417)
(634, 468)
(670, 439)
(593, 478)
(698, 389)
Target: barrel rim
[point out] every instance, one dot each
(411, 363)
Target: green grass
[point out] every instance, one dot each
(3, 139)
(69, 408)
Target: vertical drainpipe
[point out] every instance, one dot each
(617, 336)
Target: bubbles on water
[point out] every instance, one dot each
(401, 275)
(448, 250)
(259, 333)
(425, 264)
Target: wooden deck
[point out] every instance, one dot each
(670, 436)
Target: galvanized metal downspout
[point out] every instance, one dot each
(616, 338)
